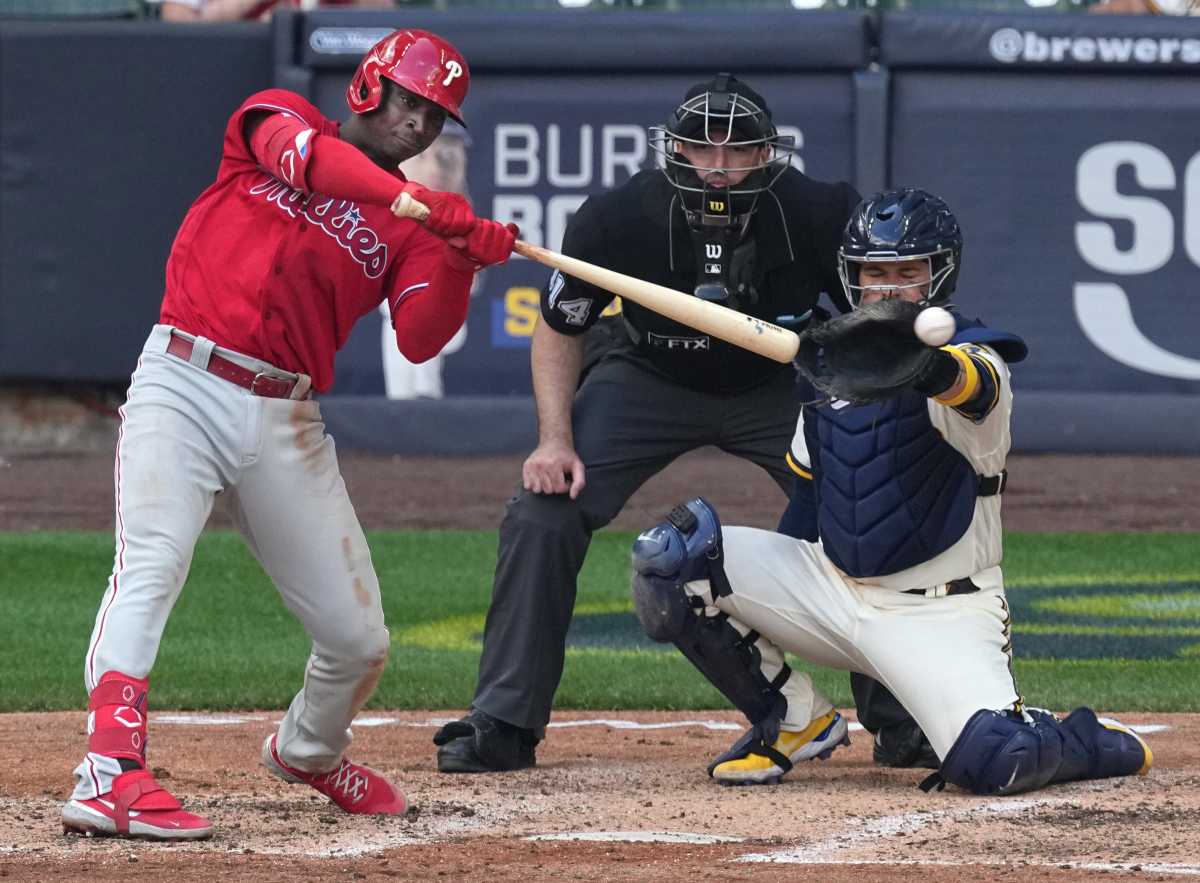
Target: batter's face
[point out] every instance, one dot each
(906, 280)
(722, 165)
(402, 126)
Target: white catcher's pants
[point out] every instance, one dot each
(186, 435)
(943, 658)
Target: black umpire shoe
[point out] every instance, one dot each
(479, 743)
(904, 746)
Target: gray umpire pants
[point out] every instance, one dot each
(629, 424)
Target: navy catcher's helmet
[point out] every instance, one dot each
(722, 112)
(900, 225)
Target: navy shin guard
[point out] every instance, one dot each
(687, 547)
(1095, 750)
(1002, 753)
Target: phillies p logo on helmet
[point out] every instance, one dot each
(421, 62)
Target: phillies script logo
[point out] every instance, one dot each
(338, 218)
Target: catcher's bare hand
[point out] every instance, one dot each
(553, 468)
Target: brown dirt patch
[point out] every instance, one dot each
(844, 815)
(1045, 493)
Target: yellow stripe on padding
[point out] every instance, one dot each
(969, 368)
(796, 467)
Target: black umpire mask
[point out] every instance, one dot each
(722, 112)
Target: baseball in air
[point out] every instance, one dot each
(934, 326)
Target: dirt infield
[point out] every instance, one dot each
(847, 818)
(40, 491)
(596, 778)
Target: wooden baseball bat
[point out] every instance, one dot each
(729, 325)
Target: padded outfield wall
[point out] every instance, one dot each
(1065, 144)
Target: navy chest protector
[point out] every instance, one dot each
(891, 493)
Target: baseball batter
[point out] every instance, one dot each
(899, 574)
(274, 262)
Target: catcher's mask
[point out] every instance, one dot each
(723, 112)
(902, 225)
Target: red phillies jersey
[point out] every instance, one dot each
(272, 272)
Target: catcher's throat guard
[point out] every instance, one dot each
(724, 265)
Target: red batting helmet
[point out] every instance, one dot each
(419, 61)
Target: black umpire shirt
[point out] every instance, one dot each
(639, 229)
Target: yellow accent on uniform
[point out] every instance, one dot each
(971, 386)
(991, 370)
(796, 467)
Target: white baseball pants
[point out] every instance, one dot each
(944, 658)
(187, 435)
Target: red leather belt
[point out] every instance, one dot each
(259, 384)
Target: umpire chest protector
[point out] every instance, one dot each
(778, 269)
(891, 492)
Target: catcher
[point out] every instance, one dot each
(901, 453)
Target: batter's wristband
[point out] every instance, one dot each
(971, 383)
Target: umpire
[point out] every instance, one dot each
(727, 218)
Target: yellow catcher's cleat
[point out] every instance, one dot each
(752, 763)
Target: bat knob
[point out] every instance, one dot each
(405, 206)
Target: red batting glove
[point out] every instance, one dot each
(489, 243)
(449, 213)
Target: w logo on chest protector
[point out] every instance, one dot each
(340, 219)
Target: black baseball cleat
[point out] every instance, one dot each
(904, 746)
(479, 743)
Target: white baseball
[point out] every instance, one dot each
(934, 326)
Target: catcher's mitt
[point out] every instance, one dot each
(869, 354)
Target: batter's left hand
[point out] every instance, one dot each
(489, 243)
(449, 213)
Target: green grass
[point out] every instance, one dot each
(230, 644)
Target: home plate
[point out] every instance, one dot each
(638, 837)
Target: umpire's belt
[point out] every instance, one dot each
(954, 587)
(271, 383)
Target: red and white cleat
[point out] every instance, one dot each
(353, 787)
(138, 807)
